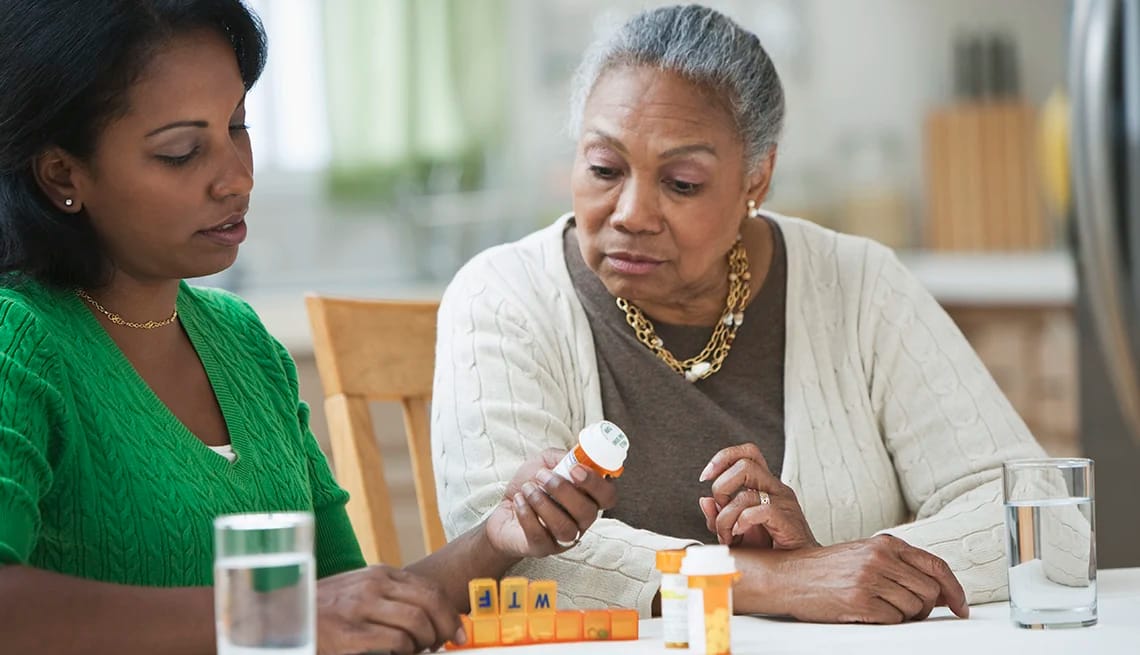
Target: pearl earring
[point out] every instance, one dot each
(753, 210)
(68, 201)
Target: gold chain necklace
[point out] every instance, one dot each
(716, 350)
(119, 320)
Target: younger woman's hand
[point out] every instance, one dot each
(383, 609)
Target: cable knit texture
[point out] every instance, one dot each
(98, 479)
(888, 411)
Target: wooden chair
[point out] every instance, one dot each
(376, 350)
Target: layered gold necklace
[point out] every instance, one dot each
(119, 320)
(716, 350)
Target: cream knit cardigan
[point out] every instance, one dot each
(888, 411)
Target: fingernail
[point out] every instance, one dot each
(737, 530)
(544, 477)
(578, 473)
(460, 636)
(520, 502)
(529, 489)
(706, 473)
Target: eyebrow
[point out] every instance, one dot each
(176, 125)
(684, 150)
(198, 124)
(668, 154)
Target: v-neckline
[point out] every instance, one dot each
(215, 374)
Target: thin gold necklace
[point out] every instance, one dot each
(716, 350)
(119, 320)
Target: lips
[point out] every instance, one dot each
(631, 263)
(230, 232)
(229, 222)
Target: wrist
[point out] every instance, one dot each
(486, 550)
(764, 586)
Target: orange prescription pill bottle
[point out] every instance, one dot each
(602, 447)
(674, 598)
(711, 571)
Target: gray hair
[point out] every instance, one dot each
(705, 47)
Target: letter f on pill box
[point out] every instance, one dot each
(484, 594)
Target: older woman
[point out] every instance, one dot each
(805, 373)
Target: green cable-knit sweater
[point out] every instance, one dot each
(98, 479)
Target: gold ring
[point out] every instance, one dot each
(765, 499)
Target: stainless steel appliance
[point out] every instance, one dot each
(1104, 87)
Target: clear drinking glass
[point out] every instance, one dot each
(265, 584)
(1051, 529)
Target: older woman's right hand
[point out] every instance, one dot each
(540, 509)
(878, 580)
(382, 609)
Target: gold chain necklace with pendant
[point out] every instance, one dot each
(716, 350)
(119, 320)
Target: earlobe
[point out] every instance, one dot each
(761, 180)
(55, 172)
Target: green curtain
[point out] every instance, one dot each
(416, 94)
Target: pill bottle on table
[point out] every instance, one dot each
(602, 447)
(711, 572)
(674, 598)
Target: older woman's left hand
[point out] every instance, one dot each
(544, 514)
(751, 507)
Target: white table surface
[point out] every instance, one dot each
(988, 630)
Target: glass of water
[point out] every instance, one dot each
(265, 584)
(1051, 530)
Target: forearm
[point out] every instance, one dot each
(53, 614)
(760, 589)
(469, 556)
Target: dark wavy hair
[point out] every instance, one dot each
(65, 70)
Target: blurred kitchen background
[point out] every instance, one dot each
(395, 139)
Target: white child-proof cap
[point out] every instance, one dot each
(605, 443)
(708, 560)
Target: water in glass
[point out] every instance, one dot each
(270, 607)
(1050, 526)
